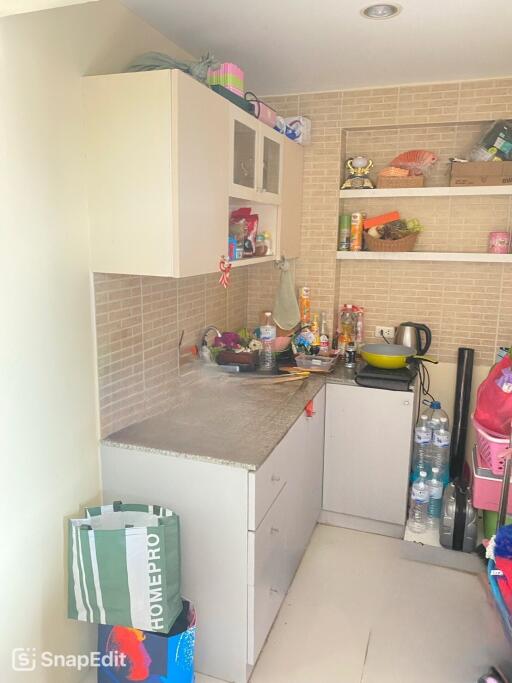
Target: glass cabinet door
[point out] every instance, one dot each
(271, 165)
(244, 155)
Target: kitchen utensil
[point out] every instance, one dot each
(409, 334)
(391, 356)
(276, 379)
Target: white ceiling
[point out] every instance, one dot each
(8, 7)
(288, 46)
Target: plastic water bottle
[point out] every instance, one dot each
(267, 336)
(418, 508)
(434, 414)
(421, 454)
(440, 450)
(435, 498)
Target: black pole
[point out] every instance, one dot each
(461, 411)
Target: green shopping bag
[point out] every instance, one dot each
(124, 567)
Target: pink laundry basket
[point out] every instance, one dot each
(491, 448)
(487, 486)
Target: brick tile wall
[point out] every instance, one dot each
(464, 303)
(139, 321)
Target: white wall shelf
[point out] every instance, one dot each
(422, 256)
(427, 192)
(249, 261)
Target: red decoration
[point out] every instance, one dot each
(310, 409)
(225, 271)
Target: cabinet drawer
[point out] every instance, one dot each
(268, 575)
(267, 545)
(267, 482)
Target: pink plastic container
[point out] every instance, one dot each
(487, 487)
(491, 448)
(499, 242)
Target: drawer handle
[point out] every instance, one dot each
(275, 477)
(274, 530)
(274, 590)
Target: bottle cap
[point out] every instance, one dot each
(423, 473)
(435, 470)
(436, 405)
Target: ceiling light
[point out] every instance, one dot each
(381, 11)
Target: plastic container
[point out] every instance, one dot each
(435, 498)
(499, 242)
(491, 449)
(486, 486)
(434, 412)
(418, 508)
(347, 327)
(440, 450)
(322, 363)
(505, 615)
(421, 459)
(305, 305)
(267, 337)
(490, 519)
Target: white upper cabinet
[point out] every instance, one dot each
(167, 159)
(291, 200)
(157, 158)
(256, 159)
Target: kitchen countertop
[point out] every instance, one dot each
(227, 420)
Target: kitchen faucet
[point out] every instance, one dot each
(204, 354)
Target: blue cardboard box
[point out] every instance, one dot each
(129, 654)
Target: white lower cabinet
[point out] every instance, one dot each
(243, 533)
(277, 545)
(368, 434)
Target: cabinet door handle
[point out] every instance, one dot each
(275, 477)
(406, 403)
(274, 530)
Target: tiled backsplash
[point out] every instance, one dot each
(140, 319)
(464, 303)
(139, 322)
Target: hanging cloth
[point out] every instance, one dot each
(286, 311)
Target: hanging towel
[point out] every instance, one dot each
(286, 309)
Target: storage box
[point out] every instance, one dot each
(487, 487)
(128, 654)
(385, 181)
(478, 173)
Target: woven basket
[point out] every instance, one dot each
(403, 244)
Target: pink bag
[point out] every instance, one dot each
(494, 399)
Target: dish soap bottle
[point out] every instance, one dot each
(267, 336)
(315, 331)
(324, 335)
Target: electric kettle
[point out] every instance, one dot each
(410, 334)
